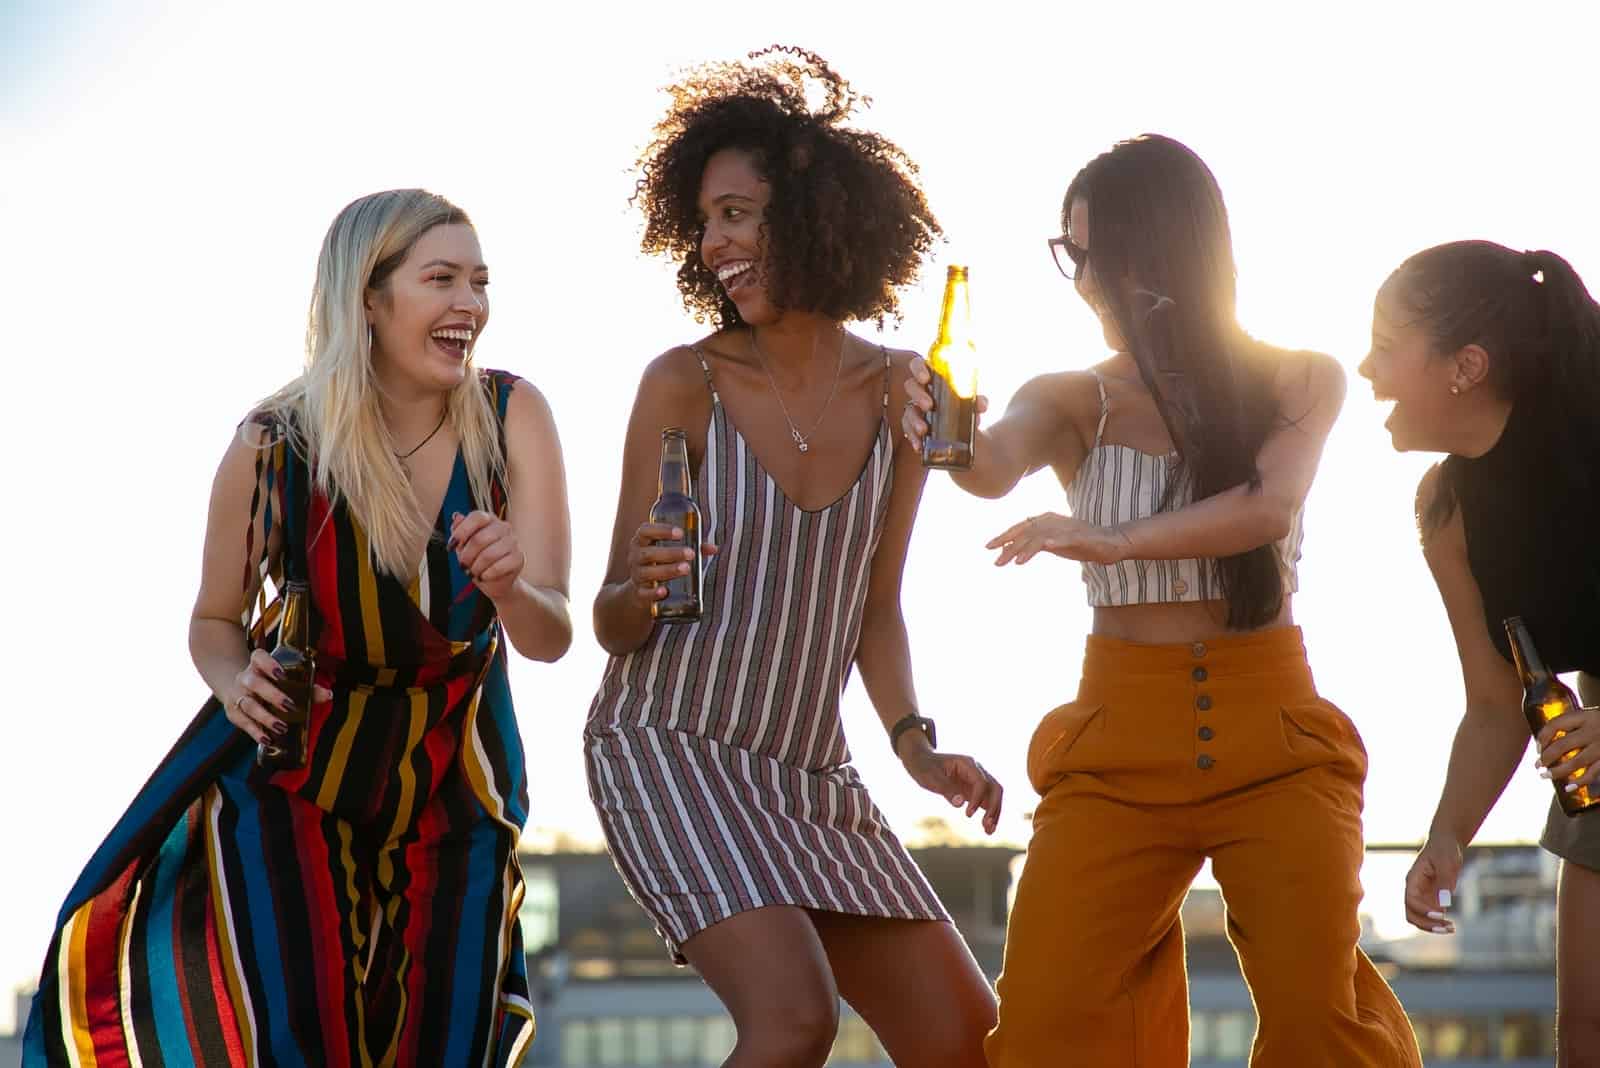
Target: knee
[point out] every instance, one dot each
(797, 1034)
(952, 1039)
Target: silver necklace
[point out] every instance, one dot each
(801, 441)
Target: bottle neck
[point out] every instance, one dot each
(294, 626)
(1529, 665)
(674, 465)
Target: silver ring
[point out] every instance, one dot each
(238, 704)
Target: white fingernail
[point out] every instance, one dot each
(1435, 915)
(1441, 930)
(1571, 788)
(1444, 899)
(1544, 773)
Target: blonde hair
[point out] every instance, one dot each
(331, 410)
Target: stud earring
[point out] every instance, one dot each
(1455, 390)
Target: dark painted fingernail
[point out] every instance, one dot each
(456, 517)
(279, 727)
(277, 671)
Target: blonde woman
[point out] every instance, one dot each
(361, 909)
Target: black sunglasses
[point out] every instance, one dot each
(1069, 257)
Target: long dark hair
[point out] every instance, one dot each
(1161, 253)
(1532, 314)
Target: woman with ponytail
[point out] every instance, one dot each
(361, 908)
(1197, 731)
(1493, 356)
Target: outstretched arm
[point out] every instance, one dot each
(1311, 392)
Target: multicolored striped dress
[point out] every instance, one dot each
(359, 911)
(716, 757)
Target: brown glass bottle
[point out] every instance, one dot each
(953, 423)
(298, 661)
(675, 507)
(1544, 697)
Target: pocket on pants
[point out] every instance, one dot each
(1061, 730)
(1320, 733)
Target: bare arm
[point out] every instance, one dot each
(533, 605)
(883, 653)
(672, 392)
(1492, 735)
(1243, 518)
(1037, 430)
(1311, 391)
(229, 582)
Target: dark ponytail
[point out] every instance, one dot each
(1534, 317)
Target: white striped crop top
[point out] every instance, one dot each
(1118, 484)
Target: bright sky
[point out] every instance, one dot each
(169, 174)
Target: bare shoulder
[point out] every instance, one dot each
(527, 406)
(1312, 375)
(675, 376)
(1070, 396)
(1439, 526)
(238, 465)
(899, 372)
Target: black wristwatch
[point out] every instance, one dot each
(913, 722)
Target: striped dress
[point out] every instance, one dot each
(716, 758)
(359, 911)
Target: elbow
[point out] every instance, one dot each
(552, 637)
(554, 646)
(1276, 516)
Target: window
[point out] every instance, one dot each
(1199, 1035)
(1527, 1035)
(856, 1044)
(538, 911)
(1232, 1036)
(1452, 1038)
(681, 1041)
(577, 1043)
(611, 1049)
(717, 1037)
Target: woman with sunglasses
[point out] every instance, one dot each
(1197, 731)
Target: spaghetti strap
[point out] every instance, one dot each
(1105, 408)
(888, 368)
(705, 369)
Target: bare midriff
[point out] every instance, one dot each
(1169, 624)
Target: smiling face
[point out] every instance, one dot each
(1084, 282)
(733, 203)
(1403, 368)
(428, 314)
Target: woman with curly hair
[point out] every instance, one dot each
(360, 908)
(1197, 731)
(1493, 356)
(715, 753)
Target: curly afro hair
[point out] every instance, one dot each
(847, 223)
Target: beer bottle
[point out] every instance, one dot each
(1544, 697)
(675, 507)
(295, 655)
(953, 423)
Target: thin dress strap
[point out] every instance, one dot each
(888, 368)
(706, 370)
(1105, 408)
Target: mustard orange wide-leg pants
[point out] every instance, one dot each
(1169, 755)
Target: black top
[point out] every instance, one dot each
(1533, 539)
